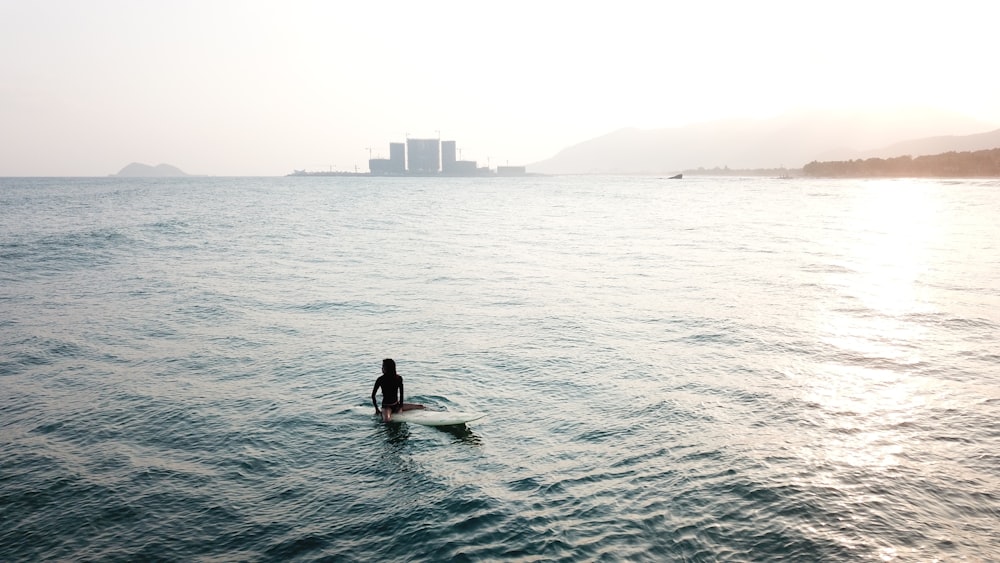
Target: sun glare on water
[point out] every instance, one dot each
(886, 251)
(865, 384)
(896, 227)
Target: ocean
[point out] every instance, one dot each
(706, 369)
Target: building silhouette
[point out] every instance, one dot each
(424, 156)
(395, 165)
(428, 157)
(397, 158)
(448, 157)
(511, 171)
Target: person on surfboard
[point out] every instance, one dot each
(392, 392)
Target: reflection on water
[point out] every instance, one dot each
(893, 229)
(886, 242)
(867, 412)
(462, 433)
(866, 387)
(396, 434)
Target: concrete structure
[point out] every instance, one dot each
(397, 158)
(380, 166)
(448, 157)
(424, 156)
(427, 157)
(463, 168)
(511, 171)
(395, 165)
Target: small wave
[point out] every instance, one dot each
(56, 254)
(828, 268)
(363, 307)
(951, 322)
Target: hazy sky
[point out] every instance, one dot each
(261, 88)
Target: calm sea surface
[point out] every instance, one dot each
(698, 370)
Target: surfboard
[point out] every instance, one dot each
(427, 417)
(436, 418)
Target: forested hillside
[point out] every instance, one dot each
(948, 165)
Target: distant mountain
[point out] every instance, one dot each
(786, 141)
(926, 146)
(139, 170)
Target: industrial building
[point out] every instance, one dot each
(448, 153)
(511, 171)
(397, 158)
(429, 157)
(423, 156)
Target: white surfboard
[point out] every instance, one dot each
(436, 418)
(429, 417)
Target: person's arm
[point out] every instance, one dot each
(400, 392)
(374, 404)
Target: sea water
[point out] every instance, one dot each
(706, 369)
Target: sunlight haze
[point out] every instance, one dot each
(262, 88)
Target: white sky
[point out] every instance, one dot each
(260, 88)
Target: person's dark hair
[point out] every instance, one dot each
(389, 367)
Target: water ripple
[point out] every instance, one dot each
(726, 370)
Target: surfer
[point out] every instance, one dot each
(392, 392)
